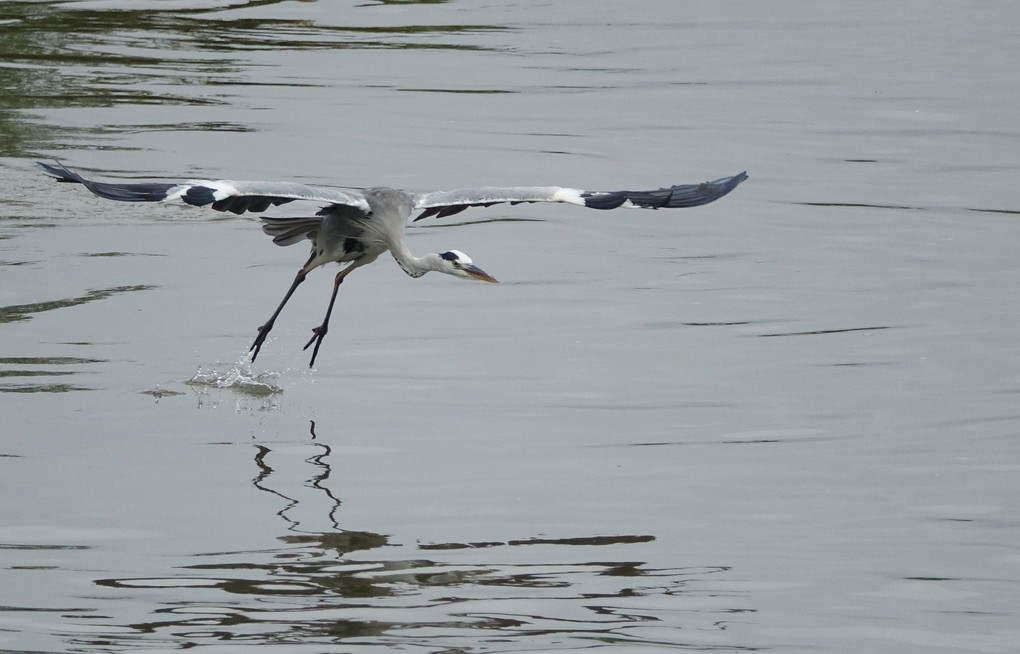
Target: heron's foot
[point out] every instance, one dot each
(260, 339)
(319, 333)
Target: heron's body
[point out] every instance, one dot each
(340, 233)
(356, 227)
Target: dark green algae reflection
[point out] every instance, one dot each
(57, 55)
(17, 312)
(311, 592)
(14, 371)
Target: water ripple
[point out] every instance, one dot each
(304, 594)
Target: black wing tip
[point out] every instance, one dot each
(449, 210)
(730, 183)
(190, 193)
(674, 197)
(692, 195)
(150, 192)
(721, 187)
(61, 172)
(431, 211)
(738, 178)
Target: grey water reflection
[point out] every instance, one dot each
(340, 587)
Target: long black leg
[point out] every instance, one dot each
(268, 325)
(319, 333)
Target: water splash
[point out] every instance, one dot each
(240, 378)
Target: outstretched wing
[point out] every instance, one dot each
(447, 203)
(221, 195)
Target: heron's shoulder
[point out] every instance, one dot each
(383, 200)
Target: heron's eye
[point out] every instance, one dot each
(456, 264)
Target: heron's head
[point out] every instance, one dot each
(458, 264)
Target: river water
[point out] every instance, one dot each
(784, 421)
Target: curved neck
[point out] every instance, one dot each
(412, 265)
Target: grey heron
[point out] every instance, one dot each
(356, 226)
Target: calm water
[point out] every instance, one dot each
(786, 421)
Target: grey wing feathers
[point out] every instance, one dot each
(447, 203)
(288, 231)
(221, 195)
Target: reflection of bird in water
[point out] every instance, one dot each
(316, 481)
(355, 227)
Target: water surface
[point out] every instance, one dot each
(783, 421)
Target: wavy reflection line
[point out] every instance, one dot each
(18, 312)
(322, 471)
(311, 592)
(258, 482)
(582, 540)
(297, 596)
(42, 388)
(318, 481)
(822, 332)
(21, 385)
(40, 24)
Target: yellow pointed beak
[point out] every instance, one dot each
(477, 273)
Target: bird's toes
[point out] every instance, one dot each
(318, 333)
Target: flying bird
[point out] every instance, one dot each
(356, 226)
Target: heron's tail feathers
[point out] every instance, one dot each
(288, 231)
